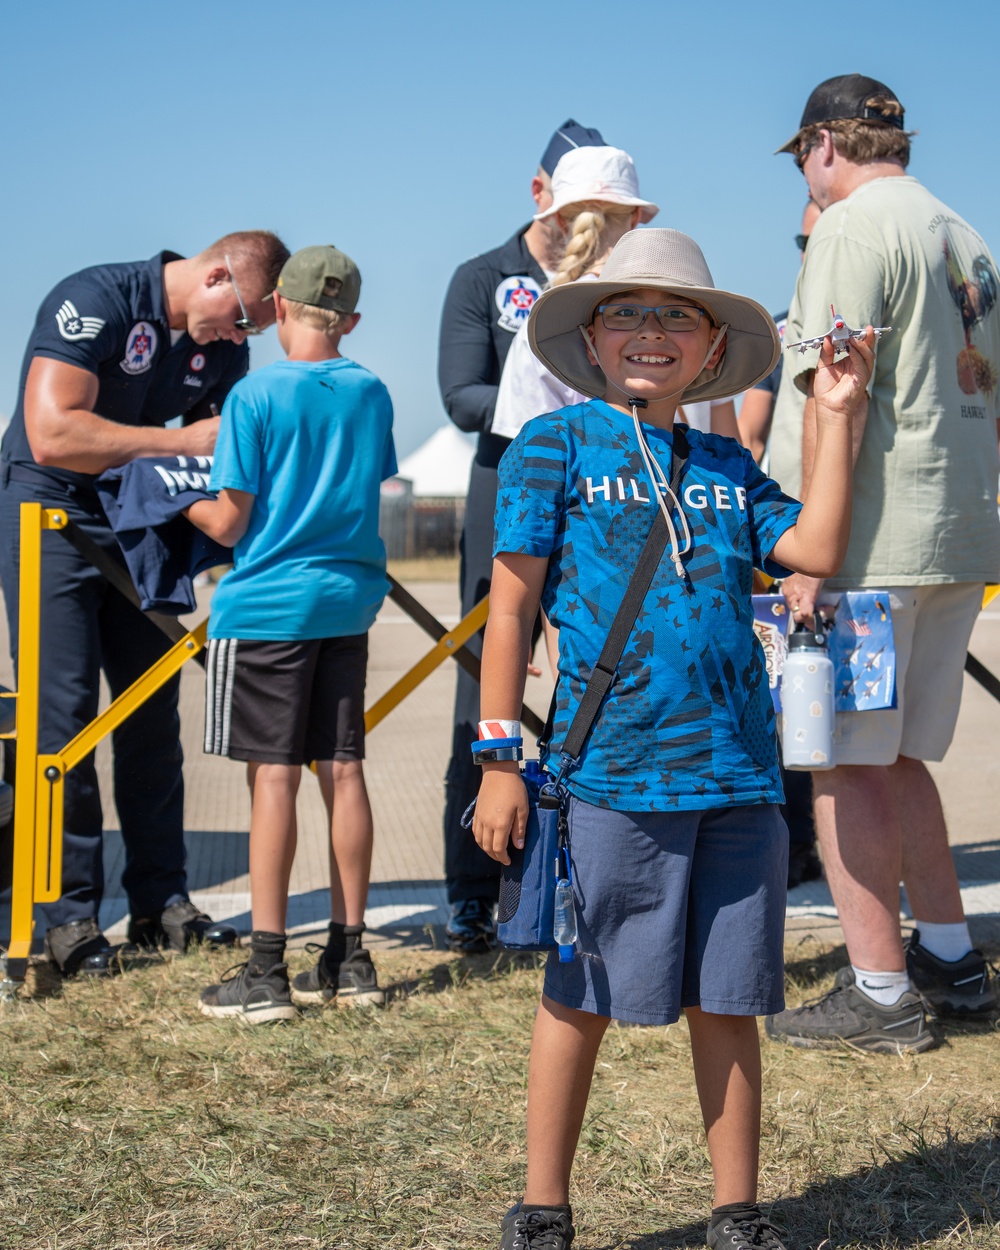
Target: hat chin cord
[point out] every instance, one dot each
(650, 460)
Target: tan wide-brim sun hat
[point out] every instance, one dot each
(667, 261)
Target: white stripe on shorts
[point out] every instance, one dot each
(220, 673)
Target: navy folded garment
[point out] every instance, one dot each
(143, 501)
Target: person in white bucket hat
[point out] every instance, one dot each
(677, 847)
(598, 173)
(596, 200)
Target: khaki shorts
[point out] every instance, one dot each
(931, 628)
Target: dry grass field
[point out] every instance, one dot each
(131, 1121)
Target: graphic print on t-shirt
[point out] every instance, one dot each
(688, 722)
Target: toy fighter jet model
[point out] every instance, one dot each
(840, 332)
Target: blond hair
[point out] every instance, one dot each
(593, 228)
(864, 139)
(328, 320)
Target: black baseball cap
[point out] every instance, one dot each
(570, 135)
(844, 97)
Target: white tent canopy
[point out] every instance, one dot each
(440, 467)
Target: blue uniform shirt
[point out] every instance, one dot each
(312, 441)
(110, 320)
(488, 299)
(688, 722)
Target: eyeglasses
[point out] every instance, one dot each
(678, 318)
(246, 323)
(800, 241)
(801, 153)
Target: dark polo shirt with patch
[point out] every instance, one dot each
(488, 299)
(110, 320)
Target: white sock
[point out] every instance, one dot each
(885, 988)
(946, 941)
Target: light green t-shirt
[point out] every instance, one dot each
(925, 484)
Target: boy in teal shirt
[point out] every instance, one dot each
(302, 450)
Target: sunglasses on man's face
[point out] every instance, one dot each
(801, 153)
(245, 324)
(800, 241)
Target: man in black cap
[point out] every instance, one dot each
(489, 297)
(924, 530)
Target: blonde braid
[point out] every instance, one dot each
(588, 238)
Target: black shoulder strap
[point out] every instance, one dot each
(603, 673)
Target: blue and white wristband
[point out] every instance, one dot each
(497, 750)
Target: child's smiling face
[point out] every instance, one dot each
(649, 362)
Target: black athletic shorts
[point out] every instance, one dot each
(286, 702)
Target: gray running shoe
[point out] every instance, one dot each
(538, 1230)
(319, 985)
(745, 1235)
(960, 989)
(846, 1014)
(250, 999)
(343, 971)
(357, 984)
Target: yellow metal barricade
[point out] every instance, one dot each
(39, 779)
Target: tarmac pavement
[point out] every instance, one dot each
(407, 756)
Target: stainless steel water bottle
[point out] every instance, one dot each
(807, 703)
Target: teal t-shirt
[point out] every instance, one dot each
(312, 442)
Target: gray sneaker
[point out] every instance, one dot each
(538, 1230)
(846, 1014)
(756, 1234)
(343, 971)
(357, 984)
(960, 989)
(250, 999)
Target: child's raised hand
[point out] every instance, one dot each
(501, 812)
(839, 384)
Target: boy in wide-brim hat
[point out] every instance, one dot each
(677, 845)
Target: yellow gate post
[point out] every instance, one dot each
(34, 519)
(38, 779)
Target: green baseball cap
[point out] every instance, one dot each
(321, 276)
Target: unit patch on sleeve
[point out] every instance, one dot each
(139, 348)
(73, 327)
(514, 298)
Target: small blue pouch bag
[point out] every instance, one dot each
(527, 884)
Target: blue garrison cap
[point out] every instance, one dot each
(569, 135)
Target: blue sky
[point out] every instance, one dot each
(407, 134)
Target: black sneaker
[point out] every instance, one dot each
(251, 999)
(846, 1014)
(80, 946)
(317, 986)
(470, 926)
(177, 927)
(538, 1230)
(962, 988)
(344, 971)
(357, 984)
(745, 1235)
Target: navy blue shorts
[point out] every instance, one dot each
(674, 910)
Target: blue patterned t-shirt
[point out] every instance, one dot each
(688, 722)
